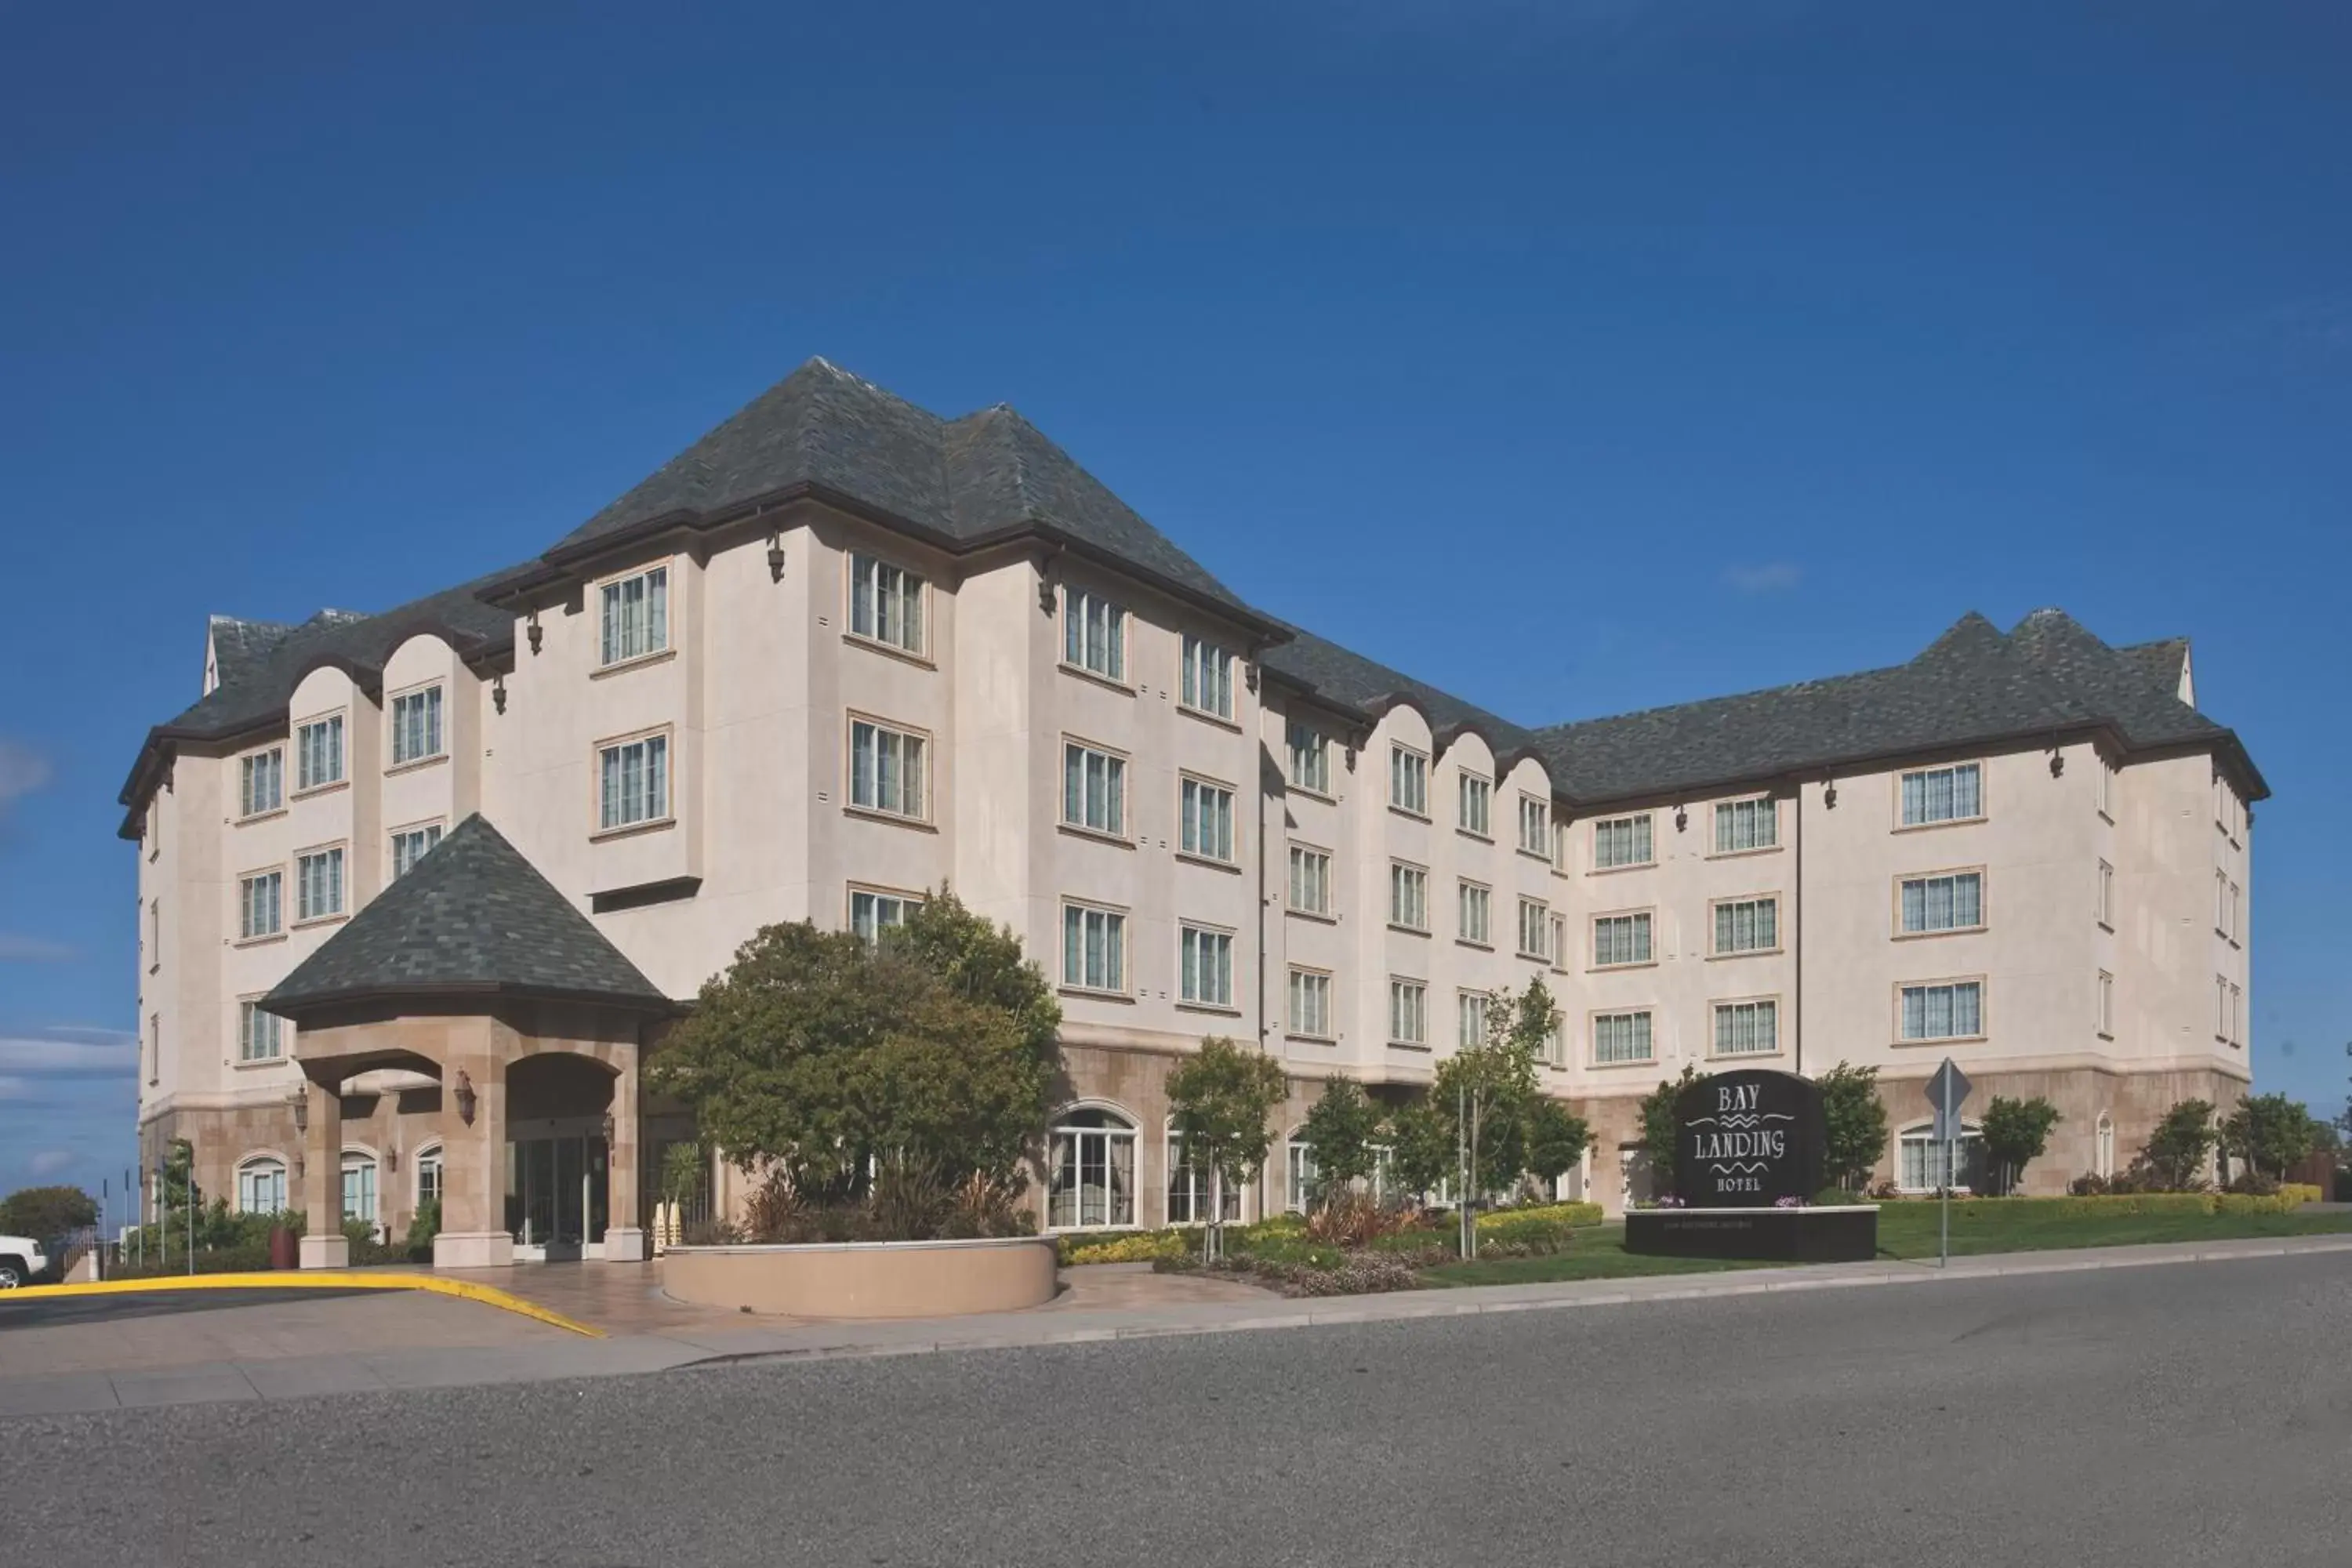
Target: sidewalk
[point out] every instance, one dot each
(1106, 1307)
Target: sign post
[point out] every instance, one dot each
(1946, 1092)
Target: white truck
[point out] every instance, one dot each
(21, 1261)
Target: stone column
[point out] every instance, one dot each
(322, 1244)
(473, 1233)
(625, 1235)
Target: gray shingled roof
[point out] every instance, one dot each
(472, 917)
(1351, 681)
(965, 481)
(239, 646)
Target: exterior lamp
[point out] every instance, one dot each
(300, 1100)
(2057, 761)
(607, 1129)
(466, 1098)
(1682, 819)
(776, 557)
(535, 632)
(1829, 796)
(498, 693)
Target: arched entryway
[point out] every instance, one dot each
(559, 1156)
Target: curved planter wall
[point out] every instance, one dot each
(866, 1279)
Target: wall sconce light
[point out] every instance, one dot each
(1829, 796)
(300, 1100)
(392, 1160)
(498, 693)
(1682, 819)
(775, 557)
(608, 1129)
(2057, 761)
(535, 632)
(466, 1098)
(1045, 599)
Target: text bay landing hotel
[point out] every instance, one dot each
(841, 651)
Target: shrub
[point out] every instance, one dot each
(1350, 1217)
(2254, 1182)
(1523, 1234)
(1838, 1196)
(2178, 1149)
(1128, 1247)
(2301, 1193)
(422, 1228)
(1565, 1213)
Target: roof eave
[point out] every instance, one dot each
(295, 1008)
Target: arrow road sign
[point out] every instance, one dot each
(1946, 1091)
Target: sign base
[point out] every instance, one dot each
(1827, 1234)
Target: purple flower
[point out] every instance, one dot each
(1792, 1202)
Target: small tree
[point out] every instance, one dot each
(1219, 1102)
(1344, 1128)
(1557, 1138)
(1660, 1128)
(2016, 1131)
(2270, 1132)
(2181, 1145)
(46, 1212)
(1423, 1136)
(1853, 1122)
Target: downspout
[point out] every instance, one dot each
(1799, 1062)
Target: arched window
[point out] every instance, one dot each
(1091, 1162)
(428, 1175)
(1301, 1184)
(359, 1186)
(1190, 1190)
(2106, 1145)
(1920, 1167)
(261, 1186)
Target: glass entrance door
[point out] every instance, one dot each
(558, 1196)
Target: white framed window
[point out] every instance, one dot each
(1194, 1194)
(889, 770)
(1310, 880)
(1925, 1164)
(1621, 939)
(428, 1176)
(1408, 1012)
(885, 604)
(1470, 1018)
(1475, 804)
(261, 782)
(1205, 681)
(2105, 1133)
(1476, 907)
(1535, 929)
(318, 753)
(1560, 948)
(873, 911)
(2106, 1005)
(2226, 996)
(416, 725)
(1747, 1028)
(1943, 794)
(1094, 634)
(359, 1186)
(261, 1186)
(1204, 819)
(633, 617)
(1622, 841)
(318, 884)
(2225, 906)
(261, 910)
(1556, 1042)
(1559, 843)
(1408, 896)
(1949, 901)
(1205, 964)
(1093, 789)
(1408, 780)
(2105, 781)
(1944, 1010)
(1301, 1178)
(2106, 907)
(1619, 1038)
(1309, 1012)
(633, 782)
(1090, 1161)
(1744, 825)
(2237, 912)
(410, 845)
(260, 1036)
(1747, 925)
(1535, 825)
(1094, 948)
(1310, 756)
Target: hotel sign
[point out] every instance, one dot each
(1747, 1140)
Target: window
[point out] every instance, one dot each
(871, 913)
(1535, 825)
(1943, 794)
(260, 1036)
(1310, 880)
(1094, 634)
(2104, 780)
(1535, 929)
(1408, 781)
(885, 604)
(634, 783)
(1091, 1158)
(155, 934)
(261, 1187)
(1951, 1010)
(1408, 896)
(886, 770)
(318, 884)
(1310, 1004)
(1746, 1028)
(259, 907)
(1408, 1013)
(1206, 820)
(411, 844)
(1621, 1037)
(2106, 1134)
(1476, 902)
(1207, 964)
(261, 782)
(1301, 1179)
(1310, 757)
(1475, 805)
(1193, 1193)
(1470, 1018)
(1559, 942)
(1741, 825)
(359, 1187)
(2106, 1005)
(416, 726)
(1205, 683)
(1621, 939)
(1094, 948)
(2237, 913)
(1093, 789)
(318, 753)
(1925, 1164)
(633, 614)
(2106, 895)
(1622, 841)
(428, 1176)
(2225, 1010)
(1556, 1041)
(154, 1047)
(1952, 901)
(1747, 925)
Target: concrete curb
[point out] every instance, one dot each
(322, 1280)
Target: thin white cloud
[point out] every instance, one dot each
(15, 1088)
(54, 1053)
(34, 949)
(1772, 577)
(22, 771)
(50, 1162)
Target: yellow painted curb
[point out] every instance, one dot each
(313, 1280)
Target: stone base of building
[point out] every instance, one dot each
(1842, 1234)
(326, 1252)
(473, 1249)
(625, 1244)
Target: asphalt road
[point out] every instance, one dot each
(2178, 1417)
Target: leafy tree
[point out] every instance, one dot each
(818, 1054)
(1659, 1127)
(1517, 1129)
(1556, 1137)
(1344, 1127)
(2270, 1132)
(1219, 1103)
(2016, 1131)
(1423, 1136)
(46, 1212)
(2177, 1149)
(1854, 1121)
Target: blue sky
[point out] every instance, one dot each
(1723, 344)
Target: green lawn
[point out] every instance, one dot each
(1904, 1230)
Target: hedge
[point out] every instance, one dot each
(1556, 1213)
(2286, 1201)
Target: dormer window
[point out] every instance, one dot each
(318, 753)
(261, 782)
(634, 615)
(416, 726)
